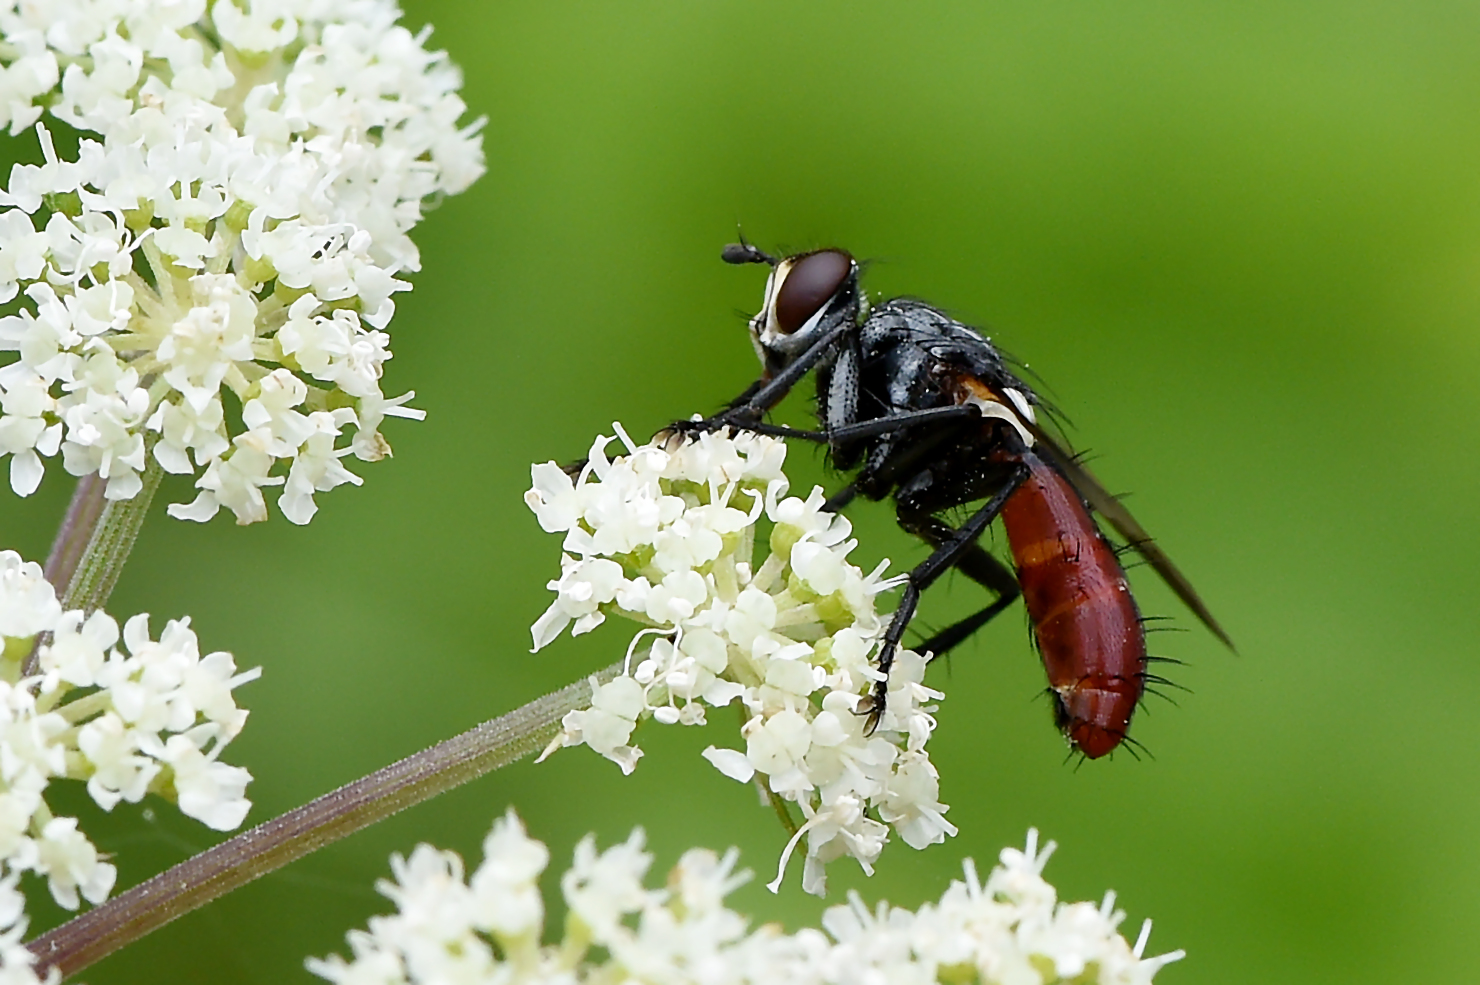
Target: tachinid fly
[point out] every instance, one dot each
(927, 410)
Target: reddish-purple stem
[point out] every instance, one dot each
(197, 881)
(70, 543)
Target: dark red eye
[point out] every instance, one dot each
(809, 284)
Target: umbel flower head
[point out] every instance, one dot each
(1009, 930)
(124, 713)
(232, 226)
(666, 535)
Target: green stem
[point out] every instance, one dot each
(94, 541)
(779, 805)
(83, 514)
(197, 881)
(109, 546)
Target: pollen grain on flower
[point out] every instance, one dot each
(235, 223)
(116, 709)
(489, 927)
(670, 535)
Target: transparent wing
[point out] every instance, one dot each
(1115, 513)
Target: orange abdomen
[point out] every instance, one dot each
(1088, 629)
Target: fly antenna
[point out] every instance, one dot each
(743, 252)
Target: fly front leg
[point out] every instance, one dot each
(866, 429)
(746, 410)
(946, 556)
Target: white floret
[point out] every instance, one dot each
(491, 928)
(239, 207)
(116, 709)
(664, 535)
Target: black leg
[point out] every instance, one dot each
(957, 633)
(975, 563)
(865, 429)
(746, 394)
(877, 479)
(745, 410)
(771, 391)
(840, 499)
(925, 574)
(883, 477)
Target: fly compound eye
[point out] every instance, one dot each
(810, 283)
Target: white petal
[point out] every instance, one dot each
(547, 626)
(26, 471)
(731, 763)
(201, 509)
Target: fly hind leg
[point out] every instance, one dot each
(958, 543)
(975, 563)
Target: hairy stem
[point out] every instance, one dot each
(93, 542)
(83, 513)
(197, 881)
(113, 536)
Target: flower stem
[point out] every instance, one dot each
(778, 804)
(112, 538)
(83, 513)
(94, 541)
(197, 881)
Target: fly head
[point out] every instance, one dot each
(807, 297)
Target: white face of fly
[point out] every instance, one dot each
(762, 324)
(760, 319)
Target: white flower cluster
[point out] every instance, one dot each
(665, 535)
(239, 224)
(1010, 930)
(142, 717)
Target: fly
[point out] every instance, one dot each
(927, 411)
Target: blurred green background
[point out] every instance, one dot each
(1241, 243)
